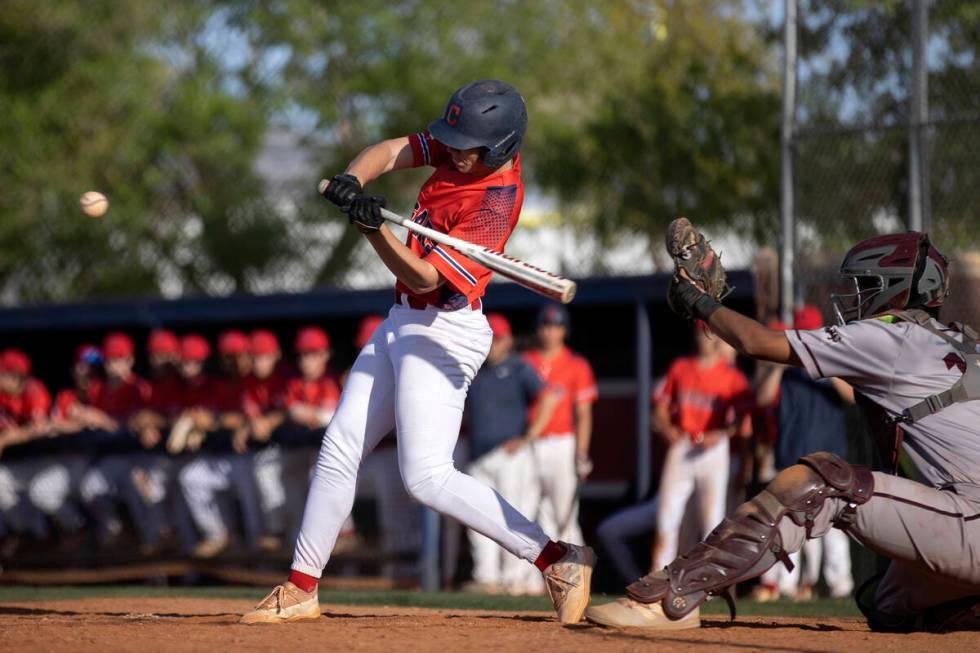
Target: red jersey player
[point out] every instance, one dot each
(74, 408)
(265, 389)
(417, 366)
(123, 393)
(24, 401)
(561, 453)
(311, 397)
(195, 417)
(701, 405)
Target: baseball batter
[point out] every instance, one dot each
(921, 380)
(414, 372)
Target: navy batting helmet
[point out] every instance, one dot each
(488, 113)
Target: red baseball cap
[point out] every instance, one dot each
(88, 353)
(263, 342)
(499, 325)
(194, 348)
(366, 329)
(117, 345)
(777, 325)
(232, 343)
(807, 317)
(162, 341)
(311, 338)
(15, 361)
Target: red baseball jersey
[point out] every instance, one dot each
(704, 398)
(570, 376)
(166, 395)
(123, 399)
(34, 403)
(322, 394)
(227, 394)
(480, 210)
(196, 392)
(263, 395)
(68, 397)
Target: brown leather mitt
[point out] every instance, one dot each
(699, 282)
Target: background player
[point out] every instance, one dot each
(560, 456)
(501, 439)
(698, 410)
(24, 407)
(809, 417)
(918, 378)
(416, 369)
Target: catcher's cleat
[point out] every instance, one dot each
(627, 613)
(748, 543)
(569, 582)
(285, 603)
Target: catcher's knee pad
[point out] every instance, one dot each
(748, 543)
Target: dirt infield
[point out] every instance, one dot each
(172, 625)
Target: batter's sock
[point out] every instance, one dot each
(303, 581)
(550, 554)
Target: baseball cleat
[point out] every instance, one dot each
(569, 582)
(627, 613)
(284, 604)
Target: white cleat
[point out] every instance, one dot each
(627, 613)
(569, 582)
(284, 604)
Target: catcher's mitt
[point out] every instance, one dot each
(699, 282)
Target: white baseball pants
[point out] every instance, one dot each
(557, 487)
(508, 474)
(688, 468)
(412, 375)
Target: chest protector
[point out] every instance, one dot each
(887, 428)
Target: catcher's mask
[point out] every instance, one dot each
(891, 272)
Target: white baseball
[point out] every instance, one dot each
(94, 204)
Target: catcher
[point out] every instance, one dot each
(920, 382)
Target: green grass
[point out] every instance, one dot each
(444, 600)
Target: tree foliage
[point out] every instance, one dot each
(125, 98)
(853, 148)
(639, 111)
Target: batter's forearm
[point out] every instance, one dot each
(419, 275)
(750, 338)
(375, 160)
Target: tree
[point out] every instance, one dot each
(852, 153)
(638, 112)
(125, 98)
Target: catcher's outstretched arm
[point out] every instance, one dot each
(750, 338)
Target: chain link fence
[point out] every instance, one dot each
(856, 80)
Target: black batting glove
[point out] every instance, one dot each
(365, 212)
(342, 190)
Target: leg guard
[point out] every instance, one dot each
(748, 543)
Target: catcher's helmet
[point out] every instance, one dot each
(892, 272)
(488, 113)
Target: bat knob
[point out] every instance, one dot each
(322, 186)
